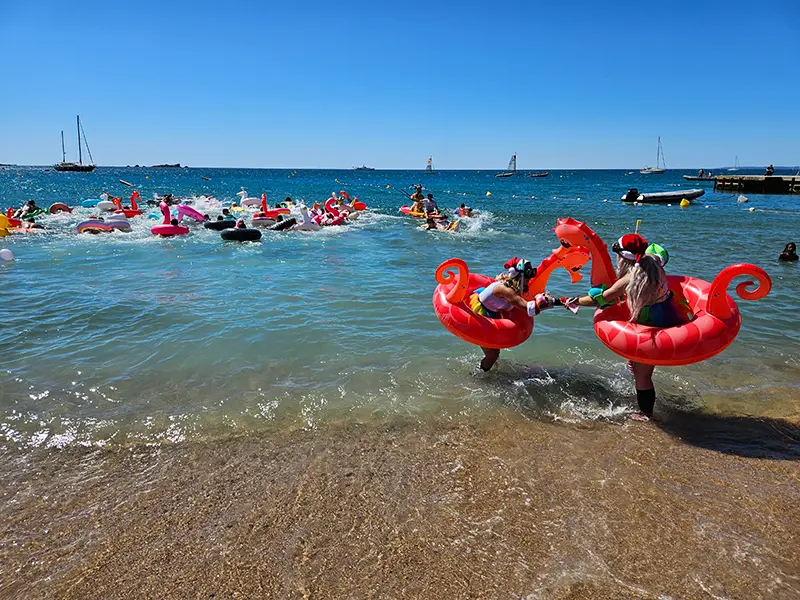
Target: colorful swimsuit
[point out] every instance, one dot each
(485, 303)
(667, 311)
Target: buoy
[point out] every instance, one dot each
(6, 254)
(707, 206)
(488, 194)
(388, 187)
(685, 203)
(147, 176)
(669, 204)
(752, 209)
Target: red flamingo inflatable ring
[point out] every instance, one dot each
(716, 319)
(451, 296)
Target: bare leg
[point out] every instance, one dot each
(645, 390)
(490, 356)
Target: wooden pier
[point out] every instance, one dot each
(758, 184)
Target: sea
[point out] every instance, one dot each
(129, 341)
(129, 337)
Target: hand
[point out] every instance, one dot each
(571, 304)
(544, 301)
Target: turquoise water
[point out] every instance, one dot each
(125, 337)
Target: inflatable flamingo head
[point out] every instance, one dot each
(165, 211)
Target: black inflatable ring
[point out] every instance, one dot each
(240, 234)
(220, 225)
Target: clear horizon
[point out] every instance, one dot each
(323, 86)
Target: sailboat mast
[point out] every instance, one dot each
(658, 152)
(63, 152)
(80, 157)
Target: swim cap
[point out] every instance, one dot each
(631, 246)
(659, 252)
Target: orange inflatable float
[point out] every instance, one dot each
(716, 319)
(451, 296)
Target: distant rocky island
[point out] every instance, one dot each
(175, 166)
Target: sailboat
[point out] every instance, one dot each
(512, 167)
(735, 166)
(429, 169)
(658, 169)
(78, 166)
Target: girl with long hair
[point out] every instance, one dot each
(642, 282)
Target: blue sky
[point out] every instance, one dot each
(335, 84)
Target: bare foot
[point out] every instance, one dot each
(640, 417)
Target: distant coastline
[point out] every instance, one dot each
(759, 168)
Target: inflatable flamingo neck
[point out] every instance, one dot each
(263, 203)
(576, 233)
(460, 279)
(10, 212)
(165, 212)
(718, 305)
(329, 206)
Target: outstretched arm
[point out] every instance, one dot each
(609, 296)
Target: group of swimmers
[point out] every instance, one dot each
(641, 282)
(429, 207)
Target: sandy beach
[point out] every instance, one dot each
(500, 507)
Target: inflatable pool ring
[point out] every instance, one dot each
(451, 301)
(307, 224)
(91, 202)
(95, 225)
(106, 205)
(267, 217)
(245, 201)
(4, 226)
(167, 229)
(406, 210)
(220, 224)
(715, 324)
(184, 210)
(716, 319)
(358, 205)
(339, 219)
(240, 233)
(59, 207)
(284, 225)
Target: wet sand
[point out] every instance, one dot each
(499, 507)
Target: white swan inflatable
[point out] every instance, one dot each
(307, 224)
(245, 201)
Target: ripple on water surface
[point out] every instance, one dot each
(128, 337)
